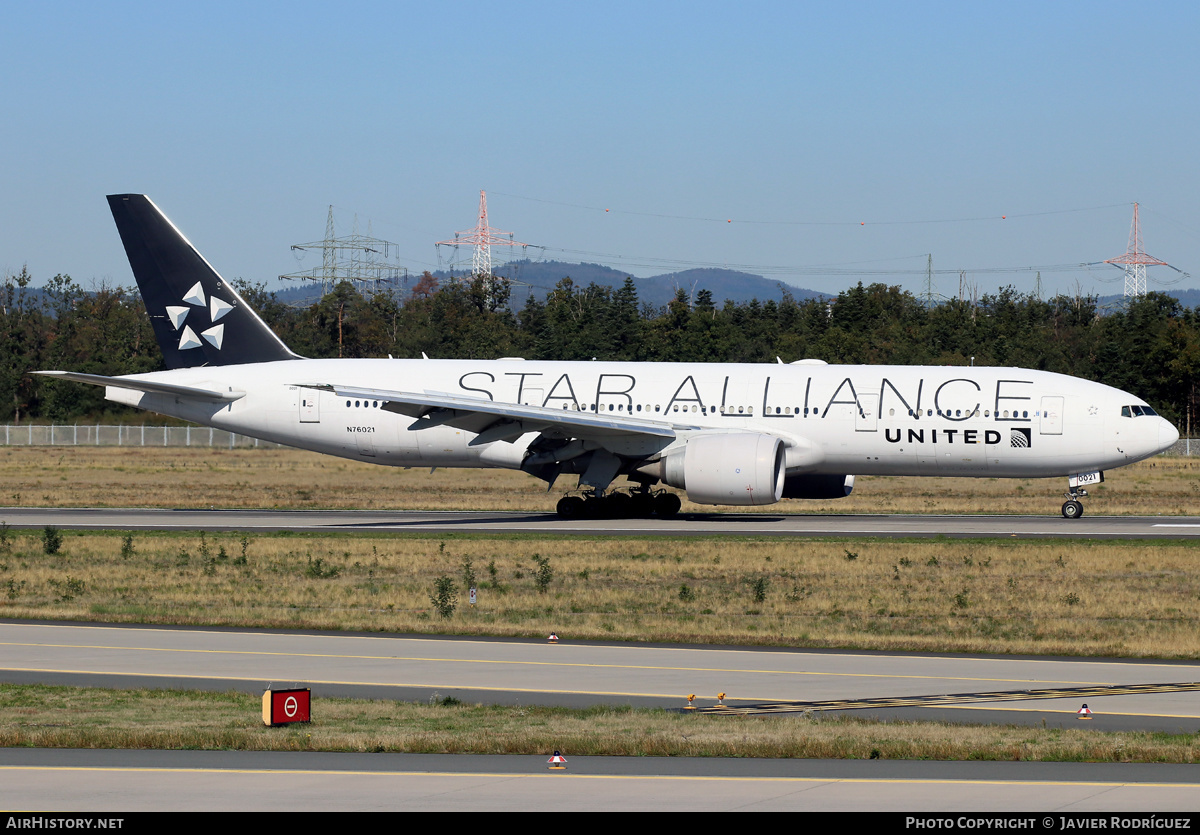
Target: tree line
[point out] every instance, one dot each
(1149, 346)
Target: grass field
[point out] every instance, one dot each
(281, 478)
(1009, 596)
(70, 717)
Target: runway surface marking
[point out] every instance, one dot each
(341, 683)
(429, 659)
(578, 776)
(951, 698)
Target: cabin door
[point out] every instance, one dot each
(310, 406)
(1051, 417)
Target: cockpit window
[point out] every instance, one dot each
(1137, 411)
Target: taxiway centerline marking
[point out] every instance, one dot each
(519, 663)
(576, 775)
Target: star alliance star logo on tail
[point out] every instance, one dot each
(217, 308)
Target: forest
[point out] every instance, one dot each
(1149, 346)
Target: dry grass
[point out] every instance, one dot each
(282, 478)
(1014, 596)
(69, 717)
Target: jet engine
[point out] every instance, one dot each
(733, 469)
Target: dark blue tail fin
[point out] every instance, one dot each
(198, 318)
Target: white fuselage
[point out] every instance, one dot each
(833, 419)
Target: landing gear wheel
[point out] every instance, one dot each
(616, 506)
(666, 505)
(643, 505)
(570, 507)
(1072, 509)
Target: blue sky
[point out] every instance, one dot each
(926, 122)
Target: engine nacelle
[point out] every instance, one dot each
(735, 469)
(806, 486)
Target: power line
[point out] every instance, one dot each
(758, 222)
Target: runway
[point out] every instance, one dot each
(700, 524)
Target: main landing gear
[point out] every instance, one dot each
(639, 503)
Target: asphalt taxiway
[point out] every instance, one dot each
(117, 781)
(691, 524)
(1122, 695)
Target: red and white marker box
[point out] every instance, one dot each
(281, 707)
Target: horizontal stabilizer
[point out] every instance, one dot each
(144, 385)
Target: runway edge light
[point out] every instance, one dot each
(282, 707)
(558, 762)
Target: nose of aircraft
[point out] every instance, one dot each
(1167, 434)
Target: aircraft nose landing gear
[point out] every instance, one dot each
(1073, 508)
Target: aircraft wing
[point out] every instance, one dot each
(492, 421)
(145, 385)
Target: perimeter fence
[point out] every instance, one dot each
(81, 434)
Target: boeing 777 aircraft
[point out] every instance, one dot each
(726, 434)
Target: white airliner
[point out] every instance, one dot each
(726, 434)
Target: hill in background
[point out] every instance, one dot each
(540, 277)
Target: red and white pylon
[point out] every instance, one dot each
(1135, 260)
(483, 237)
